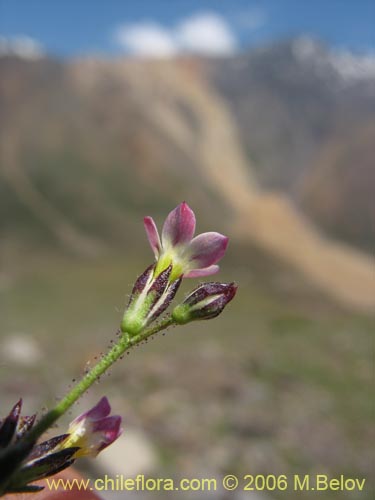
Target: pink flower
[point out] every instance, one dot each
(190, 256)
(94, 430)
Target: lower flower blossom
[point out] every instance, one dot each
(93, 431)
(23, 462)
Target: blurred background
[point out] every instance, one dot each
(261, 116)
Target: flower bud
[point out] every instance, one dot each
(205, 302)
(150, 297)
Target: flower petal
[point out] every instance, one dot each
(152, 235)
(179, 226)
(109, 425)
(206, 249)
(101, 434)
(197, 273)
(100, 410)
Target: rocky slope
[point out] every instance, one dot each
(305, 111)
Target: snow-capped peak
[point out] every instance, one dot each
(22, 46)
(348, 66)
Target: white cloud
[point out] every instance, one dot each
(204, 33)
(146, 39)
(22, 46)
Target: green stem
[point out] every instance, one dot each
(125, 343)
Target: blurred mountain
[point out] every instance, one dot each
(89, 146)
(306, 116)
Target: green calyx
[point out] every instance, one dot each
(135, 317)
(181, 314)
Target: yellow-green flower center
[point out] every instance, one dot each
(165, 260)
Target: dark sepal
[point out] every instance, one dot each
(141, 282)
(46, 447)
(9, 425)
(24, 425)
(11, 459)
(172, 290)
(44, 467)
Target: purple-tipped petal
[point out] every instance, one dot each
(100, 410)
(152, 235)
(198, 273)
(179, 226)
(207, 249)
(109, 424)
(109, 429)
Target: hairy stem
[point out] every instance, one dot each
(124, 344)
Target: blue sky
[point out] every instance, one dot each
(75, 27)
